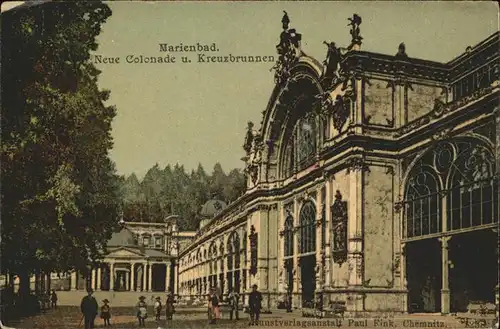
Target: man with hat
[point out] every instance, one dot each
(142, 311)
(254, 304)
(89, 308)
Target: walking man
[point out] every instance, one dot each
(53, 299)
(255, 304)
(233, 304)
(89, 308)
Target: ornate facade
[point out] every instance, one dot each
(372, 181)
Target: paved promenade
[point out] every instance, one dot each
(70, 317)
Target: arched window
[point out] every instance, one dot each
(288, 236)
(422, 207)
(460, 171)
(301, 145)
(307, 228)
(230, 256)
(237, 251)
(473, 198)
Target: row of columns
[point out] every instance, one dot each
(130, 279)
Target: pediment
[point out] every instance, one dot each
(122, 252)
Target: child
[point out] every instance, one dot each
(158, 308)
(106, 313)
(142, 311)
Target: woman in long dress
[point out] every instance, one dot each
(169, 306)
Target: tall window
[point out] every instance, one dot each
(307, 228)
(460, 171)
(301, 146)
(288, 236)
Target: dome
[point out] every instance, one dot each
(122, 238)
(212, 207)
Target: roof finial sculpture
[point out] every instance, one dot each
(355, 22)
(288, 50)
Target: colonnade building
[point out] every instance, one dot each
(372, 181)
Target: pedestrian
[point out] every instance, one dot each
(169, 306)
(158, 308)
(215, 307)
(233, 304)
(89, 308)
(210, 311)
(106, 313)
(142, 311)
(53, 299)
(254, 304)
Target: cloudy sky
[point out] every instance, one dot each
(197, 113)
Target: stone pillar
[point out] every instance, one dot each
(296, 265)
(445, 290)
(319, 236)
(150, 277)
(111, 276)
(176, 279)
(132, 276)
(49, 281)
(282, 279)
(167, 277)
(74, 276)
(404, 282)
(98, 285)
(144, 276)
(328, 219)
(355, 225)
(127, 281)
(93, 275)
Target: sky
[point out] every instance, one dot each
(190, 113)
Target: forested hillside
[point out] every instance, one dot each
(174, 191)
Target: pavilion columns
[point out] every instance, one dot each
(167, 276)
(150, 277)
(99, 279)
(445, 290)
(144, 276)
(282, 280)
(132, 276)
(111, 276)
(74, 276)
(93, 275)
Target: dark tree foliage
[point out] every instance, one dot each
(59, 193)
(173, 191)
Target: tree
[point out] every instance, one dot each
(60, 194)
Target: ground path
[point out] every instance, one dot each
(70, 317)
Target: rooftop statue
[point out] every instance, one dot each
(332, 62)
(355, 22)
(288, 50)
(402, 51)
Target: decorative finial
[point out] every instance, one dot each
(285, 20)
(401, 51)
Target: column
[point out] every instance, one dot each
(144, 276)
(404, 282)
(354, 226)
(319, 235)
(176, 279)
(445, 291)
(93, 274)
(296, 265)
(111, 276)
(328, 219)
(74, 276)
(150, 277)
(132, 276)
(167, 276)
(49, 281)
(127, 281)
(98, 286)
(281, 247)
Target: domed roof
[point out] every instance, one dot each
(212, 207)
(122, 238)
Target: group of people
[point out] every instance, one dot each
(90, 308)
(254, 305)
